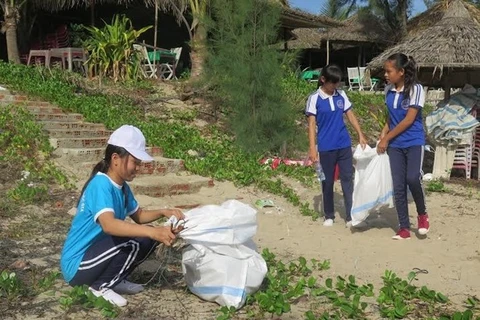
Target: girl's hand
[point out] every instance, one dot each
(382, 146)
(362, 141)
(313, 155)
(174, 212)
(163, 235)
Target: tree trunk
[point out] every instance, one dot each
(402, 17)
(198, 52)
(10, 27)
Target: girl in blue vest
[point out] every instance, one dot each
(101, 248)
(330, 141)
(403, 138)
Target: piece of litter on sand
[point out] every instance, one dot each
(263, 203)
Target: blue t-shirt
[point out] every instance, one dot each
(332, 134)
(398, 106)
(101, 195)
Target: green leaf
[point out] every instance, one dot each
(441, 298)
(329, 283)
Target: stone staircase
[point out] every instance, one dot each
(80, 145)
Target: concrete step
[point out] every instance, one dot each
(63, 117)
(15, 101)
(171, 184)
(7, 96)
(39, 109)
(219, 193)
(160, 166)
(79, 155)
(78, 133)
(82, 142)
(61, 125)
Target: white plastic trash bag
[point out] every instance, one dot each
(233, 222)
(373, 186)
(222, 264)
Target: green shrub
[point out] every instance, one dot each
(111, 50)
(26, 150)
(245, 68)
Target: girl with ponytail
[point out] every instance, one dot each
(403, 138)
(101, 248)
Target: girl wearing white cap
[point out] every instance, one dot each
(101, 248)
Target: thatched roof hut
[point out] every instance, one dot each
(447, 53)
(296, 18)
(360, 31)
(435, 13)
(359, 28)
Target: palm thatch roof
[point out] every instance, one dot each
(306, 39)
(358, 29)
(56, 5)
(452, 44)
(296, 18)
(434, 14)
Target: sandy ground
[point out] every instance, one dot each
(450, 253)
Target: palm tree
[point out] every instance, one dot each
(394, 13)
(197, 29)
(11, 15)
(338, 9)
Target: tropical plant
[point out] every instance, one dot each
(393, 13)
(111, 49)
(338, 9)
(11, 14)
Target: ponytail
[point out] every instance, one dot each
(103, 167)
(409, 66)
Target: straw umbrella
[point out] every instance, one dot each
(447, 53)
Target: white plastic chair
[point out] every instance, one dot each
(476, 148)
(365, 79)
(167, 70)
(353, 78)
(467, 156)
(148, 68)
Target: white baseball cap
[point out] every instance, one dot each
(131, 139)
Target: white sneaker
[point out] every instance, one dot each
(348, 224)
(111, 296)
(127, 287)
(328, 223)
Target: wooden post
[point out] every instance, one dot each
(328, 51)
(447, 85)
(285, 41)
(364, 58)
(155, 31)
(359, 60)
(92, 13)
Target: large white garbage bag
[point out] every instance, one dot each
(373, 187)
(222, 263)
